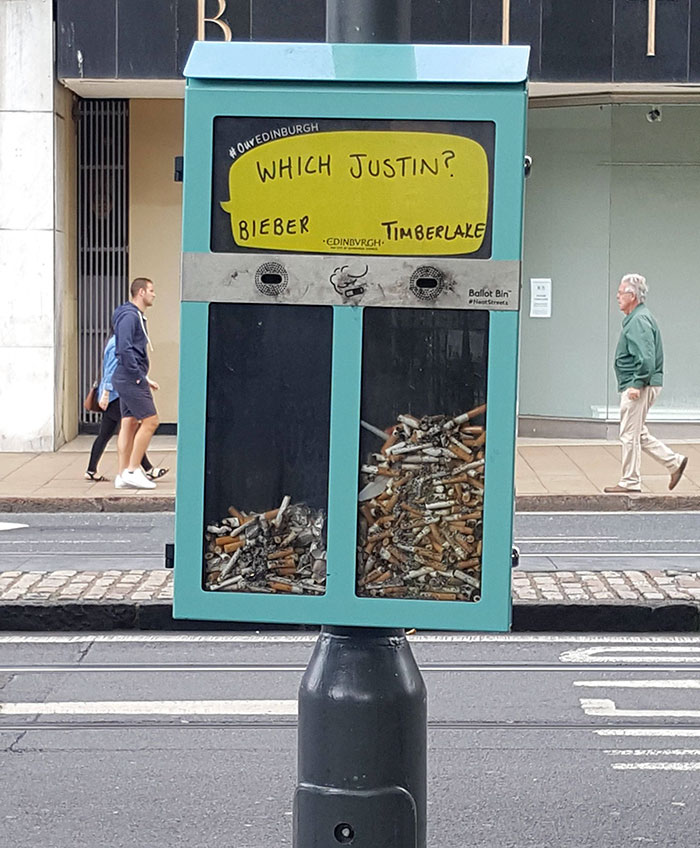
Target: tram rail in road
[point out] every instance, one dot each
(508, 715)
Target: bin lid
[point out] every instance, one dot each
(255, 60)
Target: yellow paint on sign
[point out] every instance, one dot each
(389, 193)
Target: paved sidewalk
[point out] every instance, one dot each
(549, 475)
(557, 601)
(157, 585)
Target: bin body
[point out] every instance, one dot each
(349, 334)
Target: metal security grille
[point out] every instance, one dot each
(103, 249)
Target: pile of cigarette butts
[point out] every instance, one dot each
(421, 510)
(282, 550)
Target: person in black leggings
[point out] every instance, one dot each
(111, 419)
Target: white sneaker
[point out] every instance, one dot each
(119, 483)
(137, 479)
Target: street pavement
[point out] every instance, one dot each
(124, 740)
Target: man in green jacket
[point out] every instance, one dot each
(639, 368)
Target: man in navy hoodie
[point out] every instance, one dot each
(131, 380)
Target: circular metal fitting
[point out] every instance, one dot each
(427, 282)
(271, 278)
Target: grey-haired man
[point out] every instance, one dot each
(639, 368)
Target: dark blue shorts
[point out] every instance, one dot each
(135, 399)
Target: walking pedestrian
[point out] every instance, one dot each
(135, 388)
(639, 368)
(108, 400)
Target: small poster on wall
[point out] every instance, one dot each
(540, 298)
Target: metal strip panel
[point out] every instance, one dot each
(102, 232)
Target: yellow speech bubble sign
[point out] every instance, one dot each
(388, 193)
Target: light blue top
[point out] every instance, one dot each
(109, 364)
(248, 60)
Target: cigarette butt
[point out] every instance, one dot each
(429, 553)
(481, 439)
(468, 564)
(281, 554)
(383, 519)
(459, 452)
(474, 481)
(436, 539)
(460, 478)
(367, 513)
(385, 472)
(397, 555)
(393, 438)
(234, 545)
(411, 509)
(389, 591)
(476, 412)
(472, 431)
(234, 513)
(279, 587)
(224, 540)
(439, 596)
(372, 576)
(378, 537)
(390, 503)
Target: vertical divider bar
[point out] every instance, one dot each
(344, 454)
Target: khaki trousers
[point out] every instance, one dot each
(635, 438)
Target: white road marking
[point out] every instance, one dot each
(648, 731)
(640, 684)
(567, 538)
(604, 512)
(656, 766)
(272, 638)
(606, 707)
(165, 668)
(611, 554)
(599, 654)
(651, 752)
(270, 707)
(7, 525)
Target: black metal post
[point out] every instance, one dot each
(368, 21)
(363, 716)
(362, 743)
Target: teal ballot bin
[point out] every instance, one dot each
(349, 334)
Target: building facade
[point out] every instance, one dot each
(91, 116)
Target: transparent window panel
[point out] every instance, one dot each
(267, 443)
(422, 450)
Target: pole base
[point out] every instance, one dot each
(362, 740)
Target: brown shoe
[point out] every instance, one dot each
(678, 473)
(620, 490)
